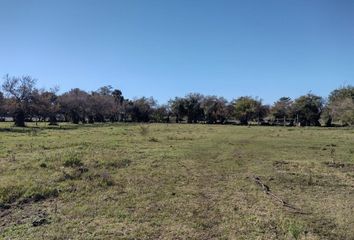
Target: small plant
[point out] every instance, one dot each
(43, 165)
(333, 152)
(310, 174)
(119, 164)
(153, 139)
(33, 132)
(72, 159)
(295, 230)
(106, 179)
(10, 193)
(144, 130)
(38, 193)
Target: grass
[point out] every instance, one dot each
(159, 181)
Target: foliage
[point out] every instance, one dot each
(24, 102)
(307, 110)
(340, 107)
(248, 109)
(282, 108)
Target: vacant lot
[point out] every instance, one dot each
(176, 182)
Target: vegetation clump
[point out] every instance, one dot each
(73, 159)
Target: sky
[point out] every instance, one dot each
(167, 48)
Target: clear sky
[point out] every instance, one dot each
(167, 48)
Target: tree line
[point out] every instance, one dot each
(22, 101)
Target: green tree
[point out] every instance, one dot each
(215, 109)
(119, 105)
(45, 105)
(248, 108)
(75, 105)
(194, 110)
(178, 108)
(161, 114)
(307, 110)
(141, 109)
(340, 106)
(281, 109)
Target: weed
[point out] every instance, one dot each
(119, 163)
(73, 159)
(295, 229)
(10, 193)
(106, 179)
(43, 165)
(153, 139)
(144, 130)
(39, 193)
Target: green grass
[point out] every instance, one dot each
(159, 181)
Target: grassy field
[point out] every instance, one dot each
(159, 181)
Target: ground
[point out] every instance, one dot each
(176, 181)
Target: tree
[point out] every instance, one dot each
(178, 108)
(102, 107)
(342, 111)
(282, 109)
(248, 108)
(75, 105)
(341, 93)
(105, 90)
(161, 114)
(2, 106)
(307, 110)
(21, 90)
(214, 109)
(45, 105)
(119, 105)
(194, 110)
(141, 109)
(340, 107)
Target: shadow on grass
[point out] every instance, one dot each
(60, 127)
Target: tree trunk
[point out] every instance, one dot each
(19, 118)
(52, 120)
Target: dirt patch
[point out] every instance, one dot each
(34, 214)
(343, 167)
(285, 165)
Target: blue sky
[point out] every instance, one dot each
(167, 48)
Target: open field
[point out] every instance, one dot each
(159, 181)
